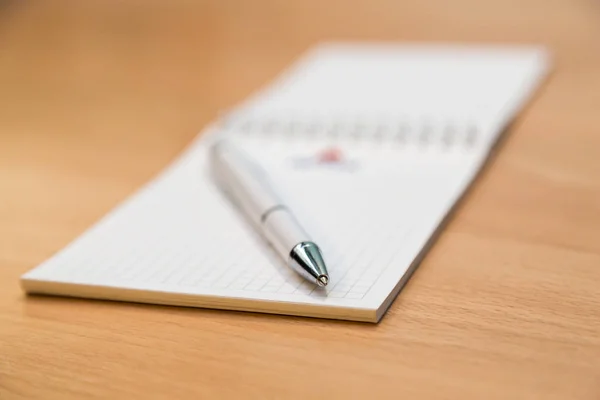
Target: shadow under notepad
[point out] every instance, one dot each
(77, 310)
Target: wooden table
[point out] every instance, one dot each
(96, 97)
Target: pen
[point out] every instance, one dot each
(248, 186)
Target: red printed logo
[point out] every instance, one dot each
(331, 157)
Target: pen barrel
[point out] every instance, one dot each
(245, 182)
(248, 186)
(282, 231)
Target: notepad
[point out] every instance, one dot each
(388, 137)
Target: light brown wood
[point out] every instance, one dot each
(96, 97)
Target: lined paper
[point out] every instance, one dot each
(180, 233)
(178, 240)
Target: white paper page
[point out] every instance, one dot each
(391, 82)
(178, 235)
(372, 212)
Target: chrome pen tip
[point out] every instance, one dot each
(323, 280)
(305, 258)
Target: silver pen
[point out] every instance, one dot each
(247, 185)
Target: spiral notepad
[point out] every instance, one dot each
(389, 137)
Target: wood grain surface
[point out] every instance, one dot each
(96, 97)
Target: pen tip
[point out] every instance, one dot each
(323, 280)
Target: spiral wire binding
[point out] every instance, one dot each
(424, 133)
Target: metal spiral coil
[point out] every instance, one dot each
(425, 132)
